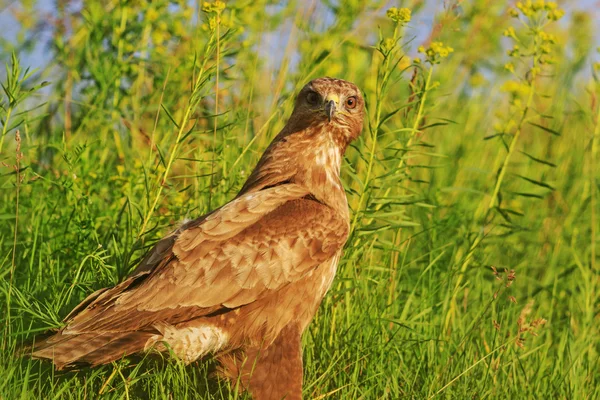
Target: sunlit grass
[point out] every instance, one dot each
(472, 270)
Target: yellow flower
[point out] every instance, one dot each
(510, 67)
(510, 32)
(513, 13)
(211, 26)
(545, 48)
(515, 88)
(526, 9)
(404, 15)
(439, 48)
(386, 45)
(538, 5)
(531, 8)
(400, 16)
(547, 37)
(556, 14)
(214, 7)
(152, 14)
(436, 51)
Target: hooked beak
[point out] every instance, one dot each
(331, 102)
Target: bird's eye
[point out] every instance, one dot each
(312, 98)
(351, 102)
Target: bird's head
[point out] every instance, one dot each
(331, 103)
(327, 116)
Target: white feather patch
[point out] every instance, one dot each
(188, 343)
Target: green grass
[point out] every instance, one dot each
(456, 172)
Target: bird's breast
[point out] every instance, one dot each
(256, 323)
(296, 303)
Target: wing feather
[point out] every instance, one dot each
(252, 246)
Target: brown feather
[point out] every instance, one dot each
(66, 351)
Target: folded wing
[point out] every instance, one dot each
(253, 246)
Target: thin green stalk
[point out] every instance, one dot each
(192, 104)
(595, 150)
(5, 127)
(260, 131)
(13, 265)
(593, 174)
(413, 132)
(160, 104)
(511, 150)
(381, 90)
(415, 128)
(214, 146)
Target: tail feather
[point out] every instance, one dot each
(118, 348)
(94, 348)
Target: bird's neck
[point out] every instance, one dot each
(319, 171)
(310, 158)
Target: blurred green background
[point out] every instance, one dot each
(473, 267)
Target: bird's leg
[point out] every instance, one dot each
(273, 372)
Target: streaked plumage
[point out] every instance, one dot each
(244, 281)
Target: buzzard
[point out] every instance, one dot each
(243, 281)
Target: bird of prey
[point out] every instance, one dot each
(242, 282)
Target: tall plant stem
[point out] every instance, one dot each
(214, 149)
(415, 128)
(14, 250)
(381, 90)
(192, 104)
(5, 127)
(593, 195)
